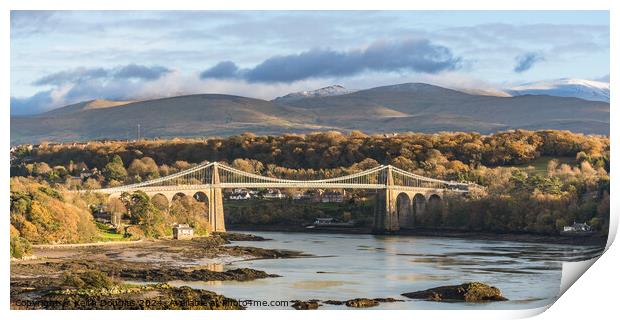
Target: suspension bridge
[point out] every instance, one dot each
(400, 194)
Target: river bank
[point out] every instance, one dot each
(304, 269)
(585, 240)
(85, 276)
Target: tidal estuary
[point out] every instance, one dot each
(345, 266)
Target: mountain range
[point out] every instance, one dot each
(577, 88)
(404, 107)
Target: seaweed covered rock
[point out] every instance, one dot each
(387, 300)
(149, 297)
(169, 274)
(468, 292)
(90, 279)
(197, 299)
(361, 303)
(233, 236)
(305, 305)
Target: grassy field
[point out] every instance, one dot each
(106, 234)
(540, 165)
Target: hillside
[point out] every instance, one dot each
(193, 115)
(396, 108)
(427, 108)
(576, 88)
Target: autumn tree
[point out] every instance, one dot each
(115, 170)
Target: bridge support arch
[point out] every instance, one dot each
(216, 202)
(386, 217)
(401, 195)
(397, 207)
(404, 211)
(419, 205)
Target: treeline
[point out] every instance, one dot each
(328, 150)
(449, 156)
(517, 200)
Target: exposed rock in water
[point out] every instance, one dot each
(263, 253)
(232, 236)
(387, 300)
(361, 303)
(469, 292)
(305, 305)
(169, 274)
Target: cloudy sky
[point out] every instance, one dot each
(64, 57)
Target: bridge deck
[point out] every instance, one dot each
(215, 175)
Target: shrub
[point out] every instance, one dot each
(91, 279)
(134, 233)
(20, 247)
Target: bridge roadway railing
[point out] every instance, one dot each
(235, 176)
(375, 178)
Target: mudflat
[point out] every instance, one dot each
(69, 276)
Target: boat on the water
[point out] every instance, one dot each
(329, 222)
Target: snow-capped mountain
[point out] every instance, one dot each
(334, 90)
(578, 88)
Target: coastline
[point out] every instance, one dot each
(586, 240)
(90, 275)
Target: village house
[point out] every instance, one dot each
(578, 227)
(85, 174)
(240, 196)
(182, 232)
(273, 194)
(308, 195)
(332, 197)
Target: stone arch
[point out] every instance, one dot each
(202, 197)
(160, 201)
(419, 205)
(435, 209)
(404, 210)
(434, 199)
(177, 196)
(434, 202)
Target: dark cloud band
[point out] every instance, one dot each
(412, 55)
(130, 71)
(526, 61)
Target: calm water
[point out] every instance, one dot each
(355, 266)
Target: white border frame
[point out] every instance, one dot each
(593, 296)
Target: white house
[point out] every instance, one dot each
(240, 196)
(273, 194)
(182, 231)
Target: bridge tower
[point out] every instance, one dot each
(386, 215)
(216, 202)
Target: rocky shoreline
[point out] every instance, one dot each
(95, 277)
(135, 276)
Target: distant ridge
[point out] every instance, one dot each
(333, 90)
(86, 105)
(417, 107)
(576, 88)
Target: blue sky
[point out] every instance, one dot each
(64, 57)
